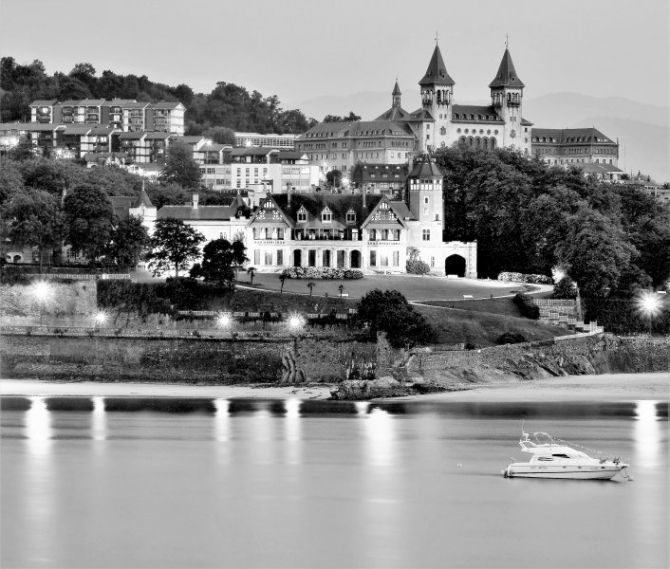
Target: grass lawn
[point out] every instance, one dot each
(414, 288)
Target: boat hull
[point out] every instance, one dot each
(584, 473)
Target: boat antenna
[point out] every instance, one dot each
(524, 434)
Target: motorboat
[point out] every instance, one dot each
(552, 459)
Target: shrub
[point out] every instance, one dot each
(523, 278)
(417, 267)
(526, 306)
(321, 273)
(510, 338)
(565, 288)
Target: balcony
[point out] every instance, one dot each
(324, 235)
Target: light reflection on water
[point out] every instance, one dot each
(161, 483)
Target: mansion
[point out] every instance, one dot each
(369, 232)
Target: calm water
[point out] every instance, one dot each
(237, 483)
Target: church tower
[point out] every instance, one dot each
(437, 90)
(506, 95)
(396, 95)
(425, 201)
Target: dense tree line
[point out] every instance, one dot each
(612, 240)
(228, 105)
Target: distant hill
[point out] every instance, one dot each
(643, 130)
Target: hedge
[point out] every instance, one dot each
(523, 278)
(526, 306)
(321, 273)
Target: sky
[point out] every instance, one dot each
(302, 49)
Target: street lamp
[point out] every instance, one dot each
(100, 318)
(224, 320)
(43, 293)
(649, 304)
(295, 322)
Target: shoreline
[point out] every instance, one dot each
(605, 388)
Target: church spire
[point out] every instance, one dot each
(395, 95)
(436, 74)
(506, 75)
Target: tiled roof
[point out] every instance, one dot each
(394, 114)
(475, 113)
(202, 212)
(290, 155)
(212, 148)
(132, 135)
(102, 130)
(401, 210)
(569, 136)
(599, 168)
(120, 205)
(77, 129)
(166, 105)
(378, 128)
(506, 75)
(189, 139)
(253, 151)
(525, 122)
(158, 135)
(92, 102)
(30, 126)
(422, 115)
(43, 103)
(338, 204)
(381, 173)
(436, 74)
(426, 168)
(142, 199)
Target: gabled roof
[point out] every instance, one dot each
(43, 102)
(77, 129)
(142, 200)
(202, 212)
(253, 151)
(421, 115)
(436, 74)
(475, 113)
(92, 102)
(425, 168)
(377, 127)
(314, 204)
(103, 130)
(394, 114)
(158, 135)
(598, 168)
(137, 135)
(189, 139)
(30, 126)
(167, 105)
(367, 173)
(290, 155)
(525, 122)
(399, 208)
(506, 75)
(120, 205)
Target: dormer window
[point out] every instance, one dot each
(351, 216)
(326, 215)
(302, 214)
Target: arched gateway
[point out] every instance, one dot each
(454, 265)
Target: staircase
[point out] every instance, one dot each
(566, 314)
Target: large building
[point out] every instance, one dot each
(370, 232)
(397, 135)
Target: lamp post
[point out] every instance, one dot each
(42, 292)
(99, 319)
(649, 304)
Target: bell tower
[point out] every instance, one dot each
(425, 200)
(437, 89)
(506, 96)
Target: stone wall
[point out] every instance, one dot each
(60, 300)
(593, 354)
(189, 360)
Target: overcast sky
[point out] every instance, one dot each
(300, 49)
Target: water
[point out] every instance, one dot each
(238, 483)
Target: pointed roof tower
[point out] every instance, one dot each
(436, 74)
(426, 168)
(143, 199)
(506, 76)
(396, 89)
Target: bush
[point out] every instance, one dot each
(565, 289)
(321, 273)
(510, 338)
(523, 278)
(417, 267)
(526, 306)
(132, 297)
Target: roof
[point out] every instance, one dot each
(436, 74)
(142, 200)
(132, 135)
(213, 148)
(166, 105)
(92, 102)
(29, 126)
(77, 129)
(599, 168)
(506, 75)
(291, 155)
(190, 139)
(253, 151)
(314, 204)
(43, 102)
(569, 136)
(394, 114)
(367, 173)
(426, 168)
(421, 115)
(121, 205)
(475, 113)
(102, 130)
(396, 89)
(525, 122)
(158, 135)
(377, 127)
(202, 212)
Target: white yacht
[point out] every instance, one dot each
(554, 460)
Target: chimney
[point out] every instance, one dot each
(289, 194)
(196, 199)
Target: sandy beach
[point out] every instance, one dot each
(610, 387)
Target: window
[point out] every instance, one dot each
(280, 233)
(432, 261)
(302, 214)
(396, 258)
(426, 235)
(396, 234)
(385, 234)
(373, 235)
(351, 216)
(373, 258)
(257, 257)
(326, 215)
(426, 200)
(280, 256)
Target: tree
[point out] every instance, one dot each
(310, 286)
(180, 167)
(173, 245)
(35, 219)
(334, 178)
(414, 263)
(341, 289)
(282, 278)
(252, 274)
(565, 288)
(220, 258)
(351, 117)
(128, 241)
(89, 217)
(389, 312)
(221, 135)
